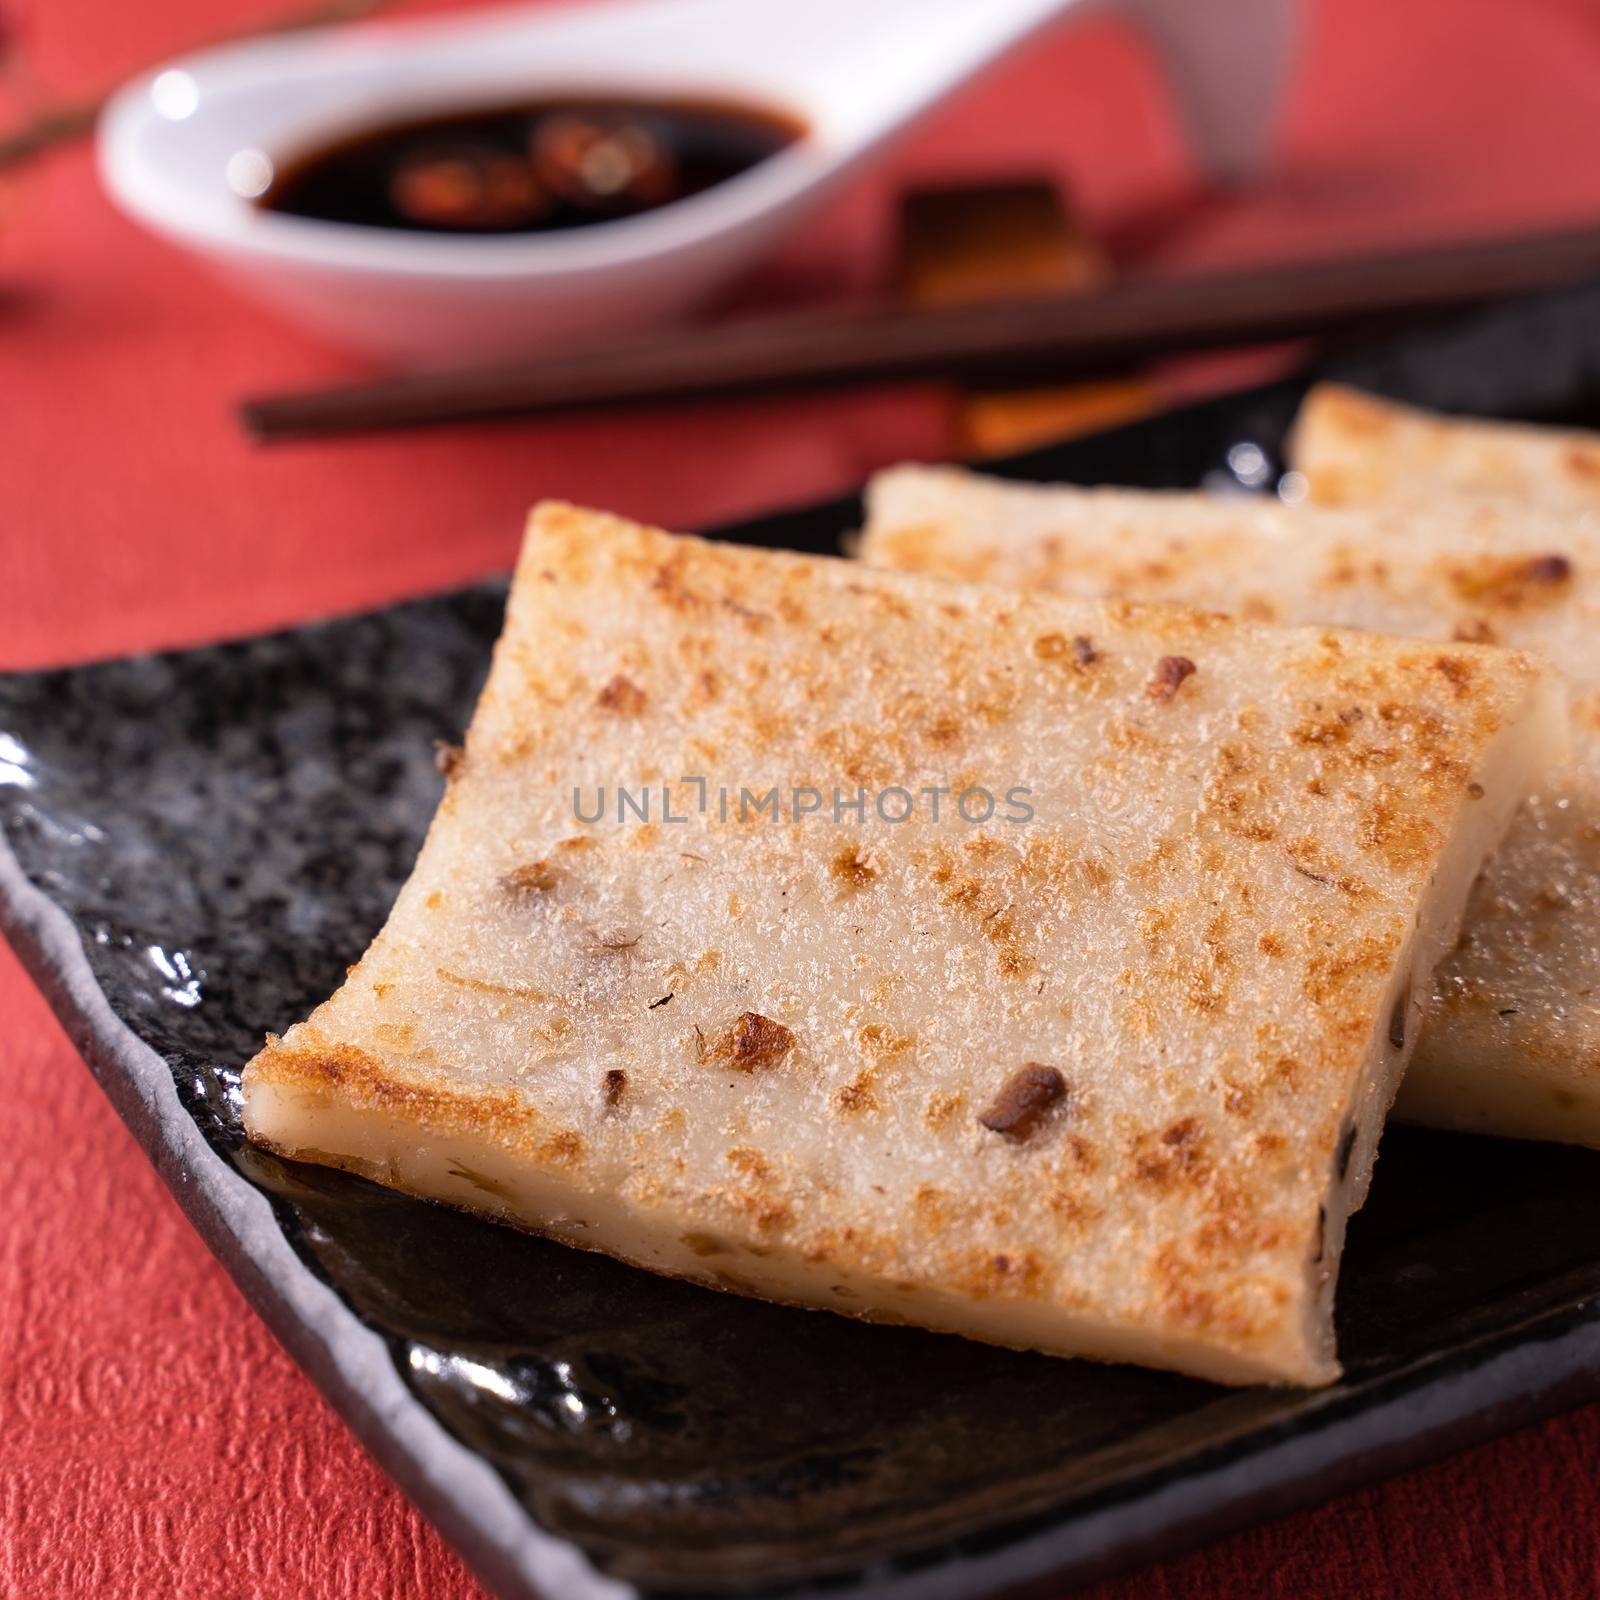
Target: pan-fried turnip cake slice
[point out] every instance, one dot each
(1088, 1053)
(1355, 448)
(1512, 1042)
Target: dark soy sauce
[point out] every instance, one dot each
(538, 167)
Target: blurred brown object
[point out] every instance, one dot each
(961, 244)
(999, 422)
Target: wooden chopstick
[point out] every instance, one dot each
(1055, 337)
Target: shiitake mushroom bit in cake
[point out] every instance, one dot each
(1092, 1058)
(1512, 1040)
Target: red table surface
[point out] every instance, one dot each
(133, 514)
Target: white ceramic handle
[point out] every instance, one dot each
(899, 55)
(1229, 65)
(872, 66)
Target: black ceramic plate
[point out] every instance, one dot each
(199, 843)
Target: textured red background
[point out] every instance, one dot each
(131, 514)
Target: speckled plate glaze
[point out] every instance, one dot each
(196, 845)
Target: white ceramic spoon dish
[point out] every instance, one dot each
(178, 145)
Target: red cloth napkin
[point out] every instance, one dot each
(133, 514)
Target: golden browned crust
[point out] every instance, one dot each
(1355, 448)
(781, 1039)
(1515, 1023)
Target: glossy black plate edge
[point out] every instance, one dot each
(1513, 1379)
